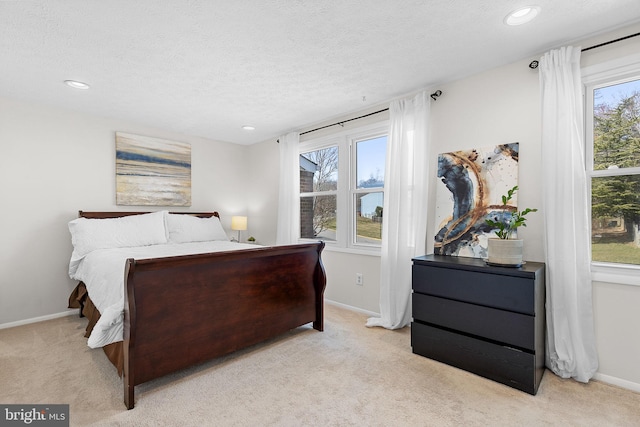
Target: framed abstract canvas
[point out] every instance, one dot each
(470, 188)
(152, 171)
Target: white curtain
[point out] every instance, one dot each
(571, 349)
(404, 228)
(288, 228)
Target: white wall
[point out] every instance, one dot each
(262, 193)
(500, 106)
(503, 105)
(616, 314)
(617, 318)
(54, 163)
(495, 107)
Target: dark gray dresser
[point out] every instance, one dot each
(483, 319)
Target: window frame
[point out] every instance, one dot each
(346, 204)
(593, 77)
(325, 145)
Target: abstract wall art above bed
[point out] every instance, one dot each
(470, 188)
(152, 171)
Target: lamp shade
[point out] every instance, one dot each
(238, 222)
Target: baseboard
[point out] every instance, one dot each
(352, 308)
(617, 382)
(607, 379)
(38, 319)
(75, 311)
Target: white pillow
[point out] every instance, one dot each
(187, 228)
(135, 230)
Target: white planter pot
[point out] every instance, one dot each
(505, 252)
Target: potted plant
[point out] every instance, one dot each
(504, 250)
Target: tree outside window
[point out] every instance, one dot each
(615, 174)
(318, 193)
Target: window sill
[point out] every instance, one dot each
(618, 274)
(333, 247)
(354, 251)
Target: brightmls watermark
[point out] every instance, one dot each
(34, 415)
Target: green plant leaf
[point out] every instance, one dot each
(506, 227)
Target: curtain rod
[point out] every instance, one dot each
(344, 121)
(434, 96)
(534, 64)
(611, 41)
(340, 123)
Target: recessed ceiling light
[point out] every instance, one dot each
(522, 15)
(76, 84)
(248, 127)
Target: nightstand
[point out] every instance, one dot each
(483, 319)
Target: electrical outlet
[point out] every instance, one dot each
(359, 280)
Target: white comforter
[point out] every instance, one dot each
(102, 271)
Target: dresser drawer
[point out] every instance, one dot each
(502, 364)
(492, 290)
(506, 327)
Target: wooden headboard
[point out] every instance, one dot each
(103, 215)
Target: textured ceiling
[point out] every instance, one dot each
(205, 68)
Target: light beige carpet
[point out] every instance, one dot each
(348, 375)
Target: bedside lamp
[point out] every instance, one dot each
(238, 223)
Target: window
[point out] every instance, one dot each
(342, 188)
(318, 193)
(613, 164)
(368, 190)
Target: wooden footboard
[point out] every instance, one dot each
(181, 311)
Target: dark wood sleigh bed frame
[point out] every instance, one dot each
(184, 310)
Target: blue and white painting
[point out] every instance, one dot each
(152, 171)
(470, 190)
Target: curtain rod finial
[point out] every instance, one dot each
(436, 94)
(534, 64)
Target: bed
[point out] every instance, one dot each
(167, 313)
